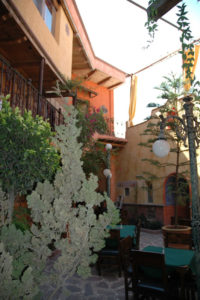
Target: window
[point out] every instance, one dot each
(149, 191)
(127, 191)
(47, 11)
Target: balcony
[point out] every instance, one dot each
(25, 96)
(115, 133)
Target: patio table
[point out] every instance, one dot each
(125, 230)
(174, 257)
(177, 259)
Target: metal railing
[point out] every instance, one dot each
(110, 126)
(115, 128)
(25, 96)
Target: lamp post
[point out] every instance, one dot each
(107, 171)
(187, 127)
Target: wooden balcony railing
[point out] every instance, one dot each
(110, 126)
(25, 96)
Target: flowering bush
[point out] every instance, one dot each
(92, 121)
(93, 156)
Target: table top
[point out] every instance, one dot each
(125, 230)
(174, 257)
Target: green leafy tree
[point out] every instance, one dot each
(26, 155)
(171, 89)
(65, 207)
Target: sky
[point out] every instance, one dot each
(118, 36)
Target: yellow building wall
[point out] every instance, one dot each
(59, 45)
(129, 167)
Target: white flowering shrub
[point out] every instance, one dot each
(63, 219)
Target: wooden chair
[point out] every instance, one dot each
(181, 221)
(149, 275)
(124, 216)
(125, 249)
(110, 254)
(178, 240)
(185, 222)
(136, 240)
(185, 281)
(190, 287)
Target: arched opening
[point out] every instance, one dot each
(177, 191)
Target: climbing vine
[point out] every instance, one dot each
(186, 37)
(151, 24)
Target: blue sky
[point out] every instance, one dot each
(117, 34)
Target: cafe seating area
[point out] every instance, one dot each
(111, 253)
(109, 285)
(151, 272)
(149, 275)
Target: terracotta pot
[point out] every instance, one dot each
(177, 228)
(176, 241)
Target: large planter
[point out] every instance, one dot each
(172, 236)
(177, 229)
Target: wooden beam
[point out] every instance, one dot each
(6, 17)
(104, 80)
(76, 55)
(162, 7)
(45, 80)
(13, 42)
(77, 50)
(21, 64)
(79, 60)
(114, 85)
(89, 75)
(76, 66)
(143, 8)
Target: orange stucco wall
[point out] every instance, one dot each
(104, 97)
(59, 46)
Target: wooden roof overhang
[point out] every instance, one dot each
(21, 48)
(82, 68)
(108, 139)
(84, 62)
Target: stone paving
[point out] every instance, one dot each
(108, 286)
